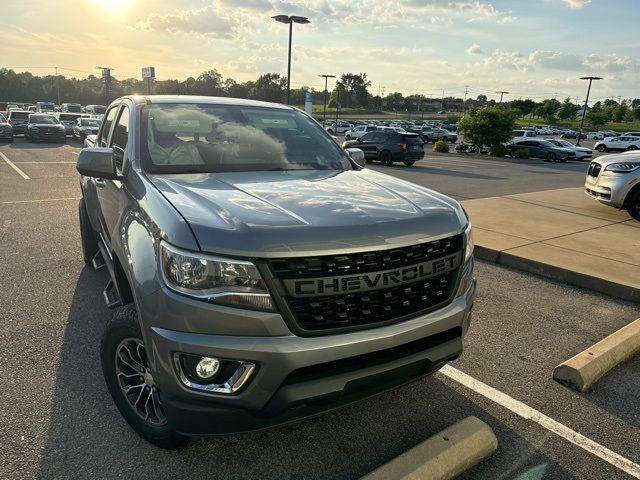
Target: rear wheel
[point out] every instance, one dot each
(551, 157)
(130, 382)
(88, 236)
(601, 148)
(633, 204)
(409, 163)
(386, 158)
(632, 147)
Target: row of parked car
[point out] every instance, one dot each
(47, 126)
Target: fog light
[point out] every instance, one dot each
(207, 368)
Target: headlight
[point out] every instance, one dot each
(468, 237)
(234, 283)
(623, 167)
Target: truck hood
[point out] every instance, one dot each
(305, 212)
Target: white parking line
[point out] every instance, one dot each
(42, 163)
(42, 200)
(10, 163)
(529, 413)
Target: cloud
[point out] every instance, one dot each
(576, 3)
(475, 50)
(210, 22)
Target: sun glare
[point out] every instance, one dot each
(114, 6)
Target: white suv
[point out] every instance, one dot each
(359, 131)
(621, 143)
(614, 180)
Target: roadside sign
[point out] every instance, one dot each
(149, 72)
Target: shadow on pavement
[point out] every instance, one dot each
(87, 438)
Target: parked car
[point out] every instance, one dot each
(582, 153)
(69, 120)
(45, 107)
(85, 126)
(259, 274)
(633, 134)
(573, 134)
(359, 131)
(32, 109)
(95, 109)
(621, 143)
(611, 133)
(18, 120)
(339, 128)
(71, 107)
(594, 136)
(6, 132)
(389, 147)
(614, 180)
(44, 127)
(522, 134)
(542, 149)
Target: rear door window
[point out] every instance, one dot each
(106, 126)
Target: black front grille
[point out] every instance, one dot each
(369, 307)
(363, 262)
(594, 169)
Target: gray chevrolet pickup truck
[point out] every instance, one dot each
(259, 273)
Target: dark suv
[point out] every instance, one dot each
(389, 147)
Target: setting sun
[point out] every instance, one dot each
(114, 6)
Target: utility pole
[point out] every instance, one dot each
(106, 76)
(57, 85)
(584, 111)
(502, 92)
(326, 79)
(464, 103)
(442, 102)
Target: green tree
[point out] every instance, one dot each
(488, 125)
(567, 110)
(351, 91)
(525, 107)
(548, 109)
(596, 120)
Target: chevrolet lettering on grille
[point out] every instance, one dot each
(343, 284)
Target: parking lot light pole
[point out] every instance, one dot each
(290, 19)
(326, 79)
(584, 110)
(501, 94)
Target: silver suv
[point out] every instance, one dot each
(260, 275)
(614, 180)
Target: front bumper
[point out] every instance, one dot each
(610, 188)
(298, 377)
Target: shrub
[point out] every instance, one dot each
(498, 150)
(521, 153)
(441, 146)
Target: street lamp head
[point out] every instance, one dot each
(282, 18)
(590, 78)
(327, 76)
(289, 19)
(302, 20)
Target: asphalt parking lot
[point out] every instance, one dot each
(58, 421)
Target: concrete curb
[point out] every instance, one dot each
(563, 275)
(442, 456)
(586, 368)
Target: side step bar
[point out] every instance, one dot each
(111, 294)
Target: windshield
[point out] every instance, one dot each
(74, 108)
(99, 109)
(46, 106)
(68, 117)
(19, 115)
(188, 138)
(45, 119)
(89, 122)
(563, 143)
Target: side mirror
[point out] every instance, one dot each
(97, 163)
(357, 156)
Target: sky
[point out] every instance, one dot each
(529, 48)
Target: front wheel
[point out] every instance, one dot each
(633, 204)
(601, 148)
(631, 148)
(386, 158)
(551, 157)
(130, 382)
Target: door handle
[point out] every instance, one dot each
(100, 183)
